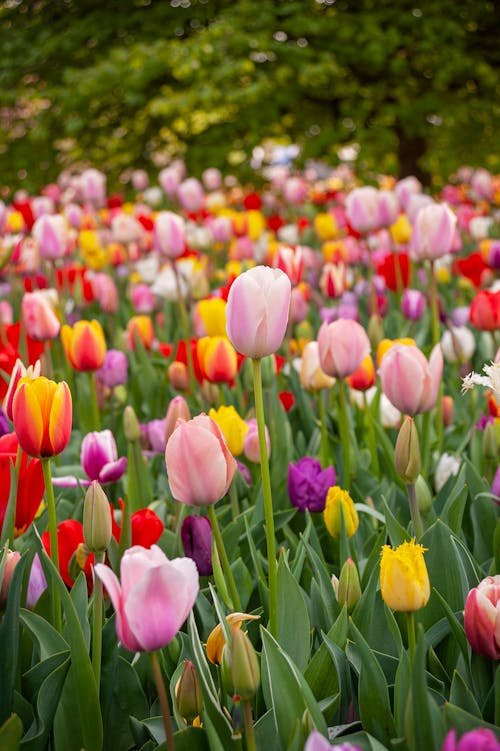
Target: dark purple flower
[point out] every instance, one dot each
(481, 739)
(308, 484)
(114, 369)
(196, 536)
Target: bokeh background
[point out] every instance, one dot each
(398, 86)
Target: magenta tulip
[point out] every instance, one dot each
(480, 739)
(153, 599)
(342, 347)
(99, 457)
(199, 465)
(482, 617)
(433, 233)
(257, 311)
(409, 380)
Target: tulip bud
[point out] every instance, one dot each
(407, 452)
(490, 445)
(12, 559)
(448, 407)
(188, 693)
(226, 673)
(244, 666)
(178, 375)
(349, 589)
(131, 424)
(96, 519)
(375, 330)
(424, 495)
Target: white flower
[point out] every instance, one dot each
(448, 465)
(458, 344)
(491, 380)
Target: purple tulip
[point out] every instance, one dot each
(196, 536)
(4, 423)
(413, 304)
(481, 739)
(99, 457)
(37, 583)
(495, 486)
(308, 484)
(114, 369)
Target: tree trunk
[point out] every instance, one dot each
(411, 149)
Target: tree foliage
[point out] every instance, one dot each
(121, 84)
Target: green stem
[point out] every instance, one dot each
(323, 449)
(418, 529)
(163, 699)
(185, 330)
(54, 550)
(233, 497)
(226, 566)
(410, 622)
(248, 720)
(97, 625)
(180, 513)
(126, 530)
(370, 436)
(426, 453)
(268, 499)
(96, 416)
(344, 434)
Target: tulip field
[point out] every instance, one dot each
(250, 463)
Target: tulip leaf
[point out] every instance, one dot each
(188, 739)
(319, 675)
(447, 580)
(402, 683)
(43, 685)
(397, 533)
(9, 641)
(455, 625)
(10, 733)
(48, 640)
(287, 690)
(373, 694)
(85, 690)
(7, 535)
(462, 696)
(423, 720)
(453, 510)
(463, 721)
(394, 629)
(120, 687)
(265, 732)
(294, 630)
(79, 597)
(483, 515)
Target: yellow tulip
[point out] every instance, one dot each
(335, 500)
(232, 426)
(213, 314)
(404, 581)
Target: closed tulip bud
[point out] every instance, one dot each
(131, 424)
(244, 666)
(188, 693)
(170, 234)
(217, 358)
(375, 331)
(13, 558)
(178, 407)
(490, 445)
(409, 380)
(178, 375)
(424, 495)
(140, 329)
(336, 500)
(84, 345)
(196, 536)
(251, 445)
(216, 640)
(96, 519)
(362, 208)
(433, 232)
(404, 581)
(226, 672)
(482, 617)
(349, 589)
(40, 321)
(407, 452)
(448, 409)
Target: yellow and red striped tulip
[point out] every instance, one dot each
(42, 412)
(84, 345)
(217, 358)
(364, 377)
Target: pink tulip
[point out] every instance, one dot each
(199, 465)
(406, 188)
(480, 739)
(153, 599)
(51, 234)
(388, 208)
(190, 194)
(362, 209)
(6, 312)
(139, 179)
(73, 214)
(251, 446)
(99, 457)
(169, 179)
(482, 184)
(482, 617)
(257, 311)
(178, 408)
(295, 190)
(93, 186)
(40, 321)
(433, 233)
(409, 380)
(342, 347)
(142, 298)
(105, 292)
(212, 178)
(170, 234)
(12, 559)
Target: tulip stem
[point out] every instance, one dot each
(344, 434)
(96, 417)
(410, 622)
(97, 625)
(370, 434)
(268, 499)
(54, 549)
(185, 330)
(418, 529)
(323, 449)
(233, 497)
(435, 340)
(162, 697)
(248, 719)
(226, 566)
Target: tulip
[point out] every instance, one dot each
(332, 282)
(140, 328)
(105, 292)
(84, 345)
(257, 311)
(407, 188)
(413, 304)
(458, 344)
(349, 589)
(113, 371)
(199, 465)
(30, 484)
(407, 452)
(342, 347)
(146, 527)
(12, 559)
(18, 372)
(311, 375)
(251, 446)
(362, 209)
(196, 536)
(170, 234)
(363, 377)
(233, 427)
(153, 599)
(336, 500)
(93, 186)
(212, 313)
(217, 641)
(404, 581)
(308, 484)
(484, 311)
(190, 194)
(291, 261)
(317, 742)
(482, 617)
(245, 670)
(409, 381)
(481, 739)
(388, 208)
(72, 554)
(433, 233)
(40, 321)
(37, 583)
(99, 457)
(97, 528)
(385, 345)
(42, 415)
(177, 408)
(51, 234)
(188, 693)
(217, 359)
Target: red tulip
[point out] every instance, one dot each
(30, 484)
(485, 311)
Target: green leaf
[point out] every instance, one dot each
(188, 739)
(373, 695)
(43, 685)
(321, 675)
(48, 640)
(293, 619)
(10, 733)
(424, 725)
(120, 690)
(397, 533)
(462, 696)
(402, 684)
(9, 641)
(79, 597)
(266, 735)
(463, 721)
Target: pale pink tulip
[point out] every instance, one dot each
(199, 465)
(178, 408)
(251, 445)
(39, 319)
(169, 179)
(409, 380)
(51, 234)
(190, 194)
(142, 298)
(212, 178)
(153, 598)
(12, 559)
(257, 311)
(170, 234)
(482, 617)
(388, 208)
(362, 209)
(93, 186)
(342, 347)
(406, 188)
(433, 232)
(105, 292)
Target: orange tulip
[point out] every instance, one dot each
(217, 358)
(140, 328)
(42, 412)
(84, 344)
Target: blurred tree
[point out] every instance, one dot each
(412, 87)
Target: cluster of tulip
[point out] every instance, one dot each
(236, 419)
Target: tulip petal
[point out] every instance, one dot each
(135, 562)
(433, 379)
(402, 375)
(61, 416)
(110, 581)
(112, 471)
(28, 420)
